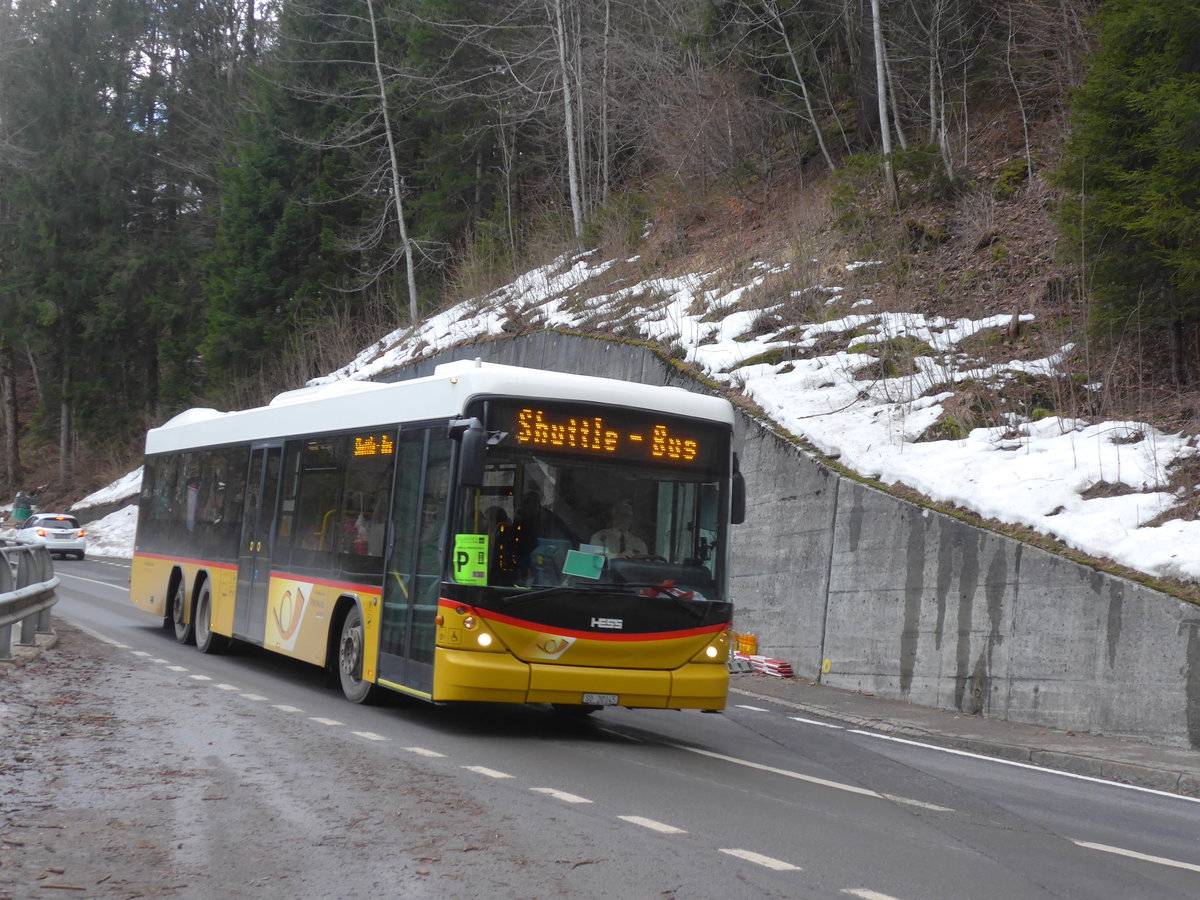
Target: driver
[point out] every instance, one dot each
(618, 540)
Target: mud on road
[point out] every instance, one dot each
(118, 783)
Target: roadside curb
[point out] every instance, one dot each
(1103, 758)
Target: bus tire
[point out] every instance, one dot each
(350, 658)
(206, 641)
(184, 632)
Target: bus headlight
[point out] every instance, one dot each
(716, 651)
(485, 639)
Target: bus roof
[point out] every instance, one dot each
(349, 405)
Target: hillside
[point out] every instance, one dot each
(954, 375)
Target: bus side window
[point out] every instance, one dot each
(314, 537)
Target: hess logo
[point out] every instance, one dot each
(613, 624)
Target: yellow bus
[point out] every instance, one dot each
(487, 533)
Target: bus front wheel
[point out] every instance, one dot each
(184, 633)
(350, 660)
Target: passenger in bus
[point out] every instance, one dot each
(617, 540)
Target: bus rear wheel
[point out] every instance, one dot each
(206, 641)
(350, 660)
(184, 632)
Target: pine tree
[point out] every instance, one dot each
(1132, 169)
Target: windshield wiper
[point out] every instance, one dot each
(669, 590)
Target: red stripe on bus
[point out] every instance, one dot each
(232, 567)
(491, 616)
(326, 582)
(207, 563)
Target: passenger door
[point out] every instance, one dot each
(258, 535)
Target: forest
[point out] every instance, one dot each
(205, 202)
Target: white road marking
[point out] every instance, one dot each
(199, 678)
(255, 697)
(758, 859)
(752, 708)
(283, 707)
(177, 668)
(369, 735)
(421, 751)
(160, 661)
(1023, 765)
(561, 795)
(320, 720)
(867, 894)
(123, 588)
(226, 687)
(141, 653)
(813, 779)
(660, 827)
(484, 770)
(815, 722)
(1133, 854)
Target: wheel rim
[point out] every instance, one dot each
(177, 608)
(350, 654)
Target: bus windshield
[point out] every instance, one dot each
(615, 512)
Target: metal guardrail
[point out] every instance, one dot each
(27, 591)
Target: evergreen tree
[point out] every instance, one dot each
(1132, 169)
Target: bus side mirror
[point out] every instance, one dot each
(737, 513)
(472, 450)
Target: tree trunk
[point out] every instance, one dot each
(560, 35)
(8, 398)
(885, 132)
(393, 159)
(64, 427)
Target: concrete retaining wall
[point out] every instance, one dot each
(861, 590)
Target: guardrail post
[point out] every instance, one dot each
(6, 585)
(28, 572)
(46, 572)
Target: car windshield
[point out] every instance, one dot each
(542, 521)
(53, 521)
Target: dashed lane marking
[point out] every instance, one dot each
(1133, 854)
(177, 668)
(200, 678)
(421, 751)
(867, 894)
(257, 698)
(758, 859)
(321, 720)
(561, 795)
(283, 707)
(813, 779)
(752, 708)
(660, 827)
(484, 770)
(226, 687)
(370, 735)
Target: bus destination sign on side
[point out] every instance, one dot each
(374, 445)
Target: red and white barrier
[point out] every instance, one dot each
(744, 662)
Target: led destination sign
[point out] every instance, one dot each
(609, 433)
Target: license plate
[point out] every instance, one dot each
(601, 699)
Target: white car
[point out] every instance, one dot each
(60, 533)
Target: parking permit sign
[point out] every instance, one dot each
(470, 558)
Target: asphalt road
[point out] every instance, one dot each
(180, 774)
